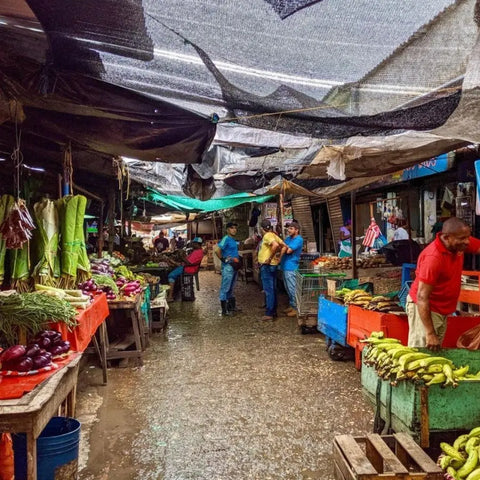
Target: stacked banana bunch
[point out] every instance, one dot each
(395, 362)
(363, 299)
(462, 460)
(384, 304)
(357, 297)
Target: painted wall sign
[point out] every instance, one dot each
(428, 167)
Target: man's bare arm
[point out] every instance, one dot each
(423, 304)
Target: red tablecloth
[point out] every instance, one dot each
(88, 321)
(16, 387)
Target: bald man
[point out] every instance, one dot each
(435, 291)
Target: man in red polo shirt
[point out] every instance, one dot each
(435, 291)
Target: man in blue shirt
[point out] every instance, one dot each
(227, 252)
(289, 265)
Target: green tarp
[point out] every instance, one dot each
(187, 204)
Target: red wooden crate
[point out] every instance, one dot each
(361, 323)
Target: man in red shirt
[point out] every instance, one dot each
(435, 291)
(191, 265)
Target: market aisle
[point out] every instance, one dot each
(222, 398)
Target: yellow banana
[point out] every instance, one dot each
(450, 451)
(431, 360)
(460, 441)
(474, 475)
(475, 432)
(437, 378)
(470, 463)
(462, 371)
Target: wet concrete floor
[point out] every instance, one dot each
(221, 398)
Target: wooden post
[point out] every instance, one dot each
(100, 231)
(353, 233)
(424, 418)
(111, 219)
(280, 218)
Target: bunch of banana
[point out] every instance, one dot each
(395, 362)
(384, 304)
(342, 292)
(461, 461)
(357, 297)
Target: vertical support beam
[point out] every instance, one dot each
(424, 418)
(353, 235)
(100, 231)
(111, 219)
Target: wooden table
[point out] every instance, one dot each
(31, 413)
(130, 310)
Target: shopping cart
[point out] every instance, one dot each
(309, 286)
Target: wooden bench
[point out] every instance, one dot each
(376, 457)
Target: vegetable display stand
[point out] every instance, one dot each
(332, 322)
(31, 413)
(126, 330)
(362, 322)
(419, 410)
(388, 457)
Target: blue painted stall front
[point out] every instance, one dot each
(332, 320)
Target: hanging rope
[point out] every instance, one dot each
(17, 158)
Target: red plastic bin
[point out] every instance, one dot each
(361, 323)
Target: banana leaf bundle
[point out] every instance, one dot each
(74, 257)
(20, 268)
(6, 203)
(45, 242)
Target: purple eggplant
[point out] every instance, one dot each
(22, 364)
(32, 350)
(44, 342)
(56, 350)
(13, 353)
(41, 361)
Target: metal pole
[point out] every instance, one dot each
(353, 234)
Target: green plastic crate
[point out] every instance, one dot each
(449, 408)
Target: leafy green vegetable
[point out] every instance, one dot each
(105, 281)
(6, 203)
(32, 312)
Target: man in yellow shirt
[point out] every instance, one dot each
(269, 256)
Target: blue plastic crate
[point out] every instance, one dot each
(332, 320)
(403, 294)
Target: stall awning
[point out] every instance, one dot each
(187, 204)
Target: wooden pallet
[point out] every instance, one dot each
(376, 457)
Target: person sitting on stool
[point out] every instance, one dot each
(190, 266)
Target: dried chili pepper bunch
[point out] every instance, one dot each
(17, 226)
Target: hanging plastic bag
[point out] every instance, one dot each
(470, 339)
(380, 242)
(6, 457)
(345, 249)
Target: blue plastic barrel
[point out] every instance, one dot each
(57, 447)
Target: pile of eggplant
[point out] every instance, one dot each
(37, 354)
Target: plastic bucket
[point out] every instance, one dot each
(57, 451)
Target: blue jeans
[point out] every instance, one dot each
(229, 278)
(268, 274)
(175, 273)
(290, 281)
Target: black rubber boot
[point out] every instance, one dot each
(232, 305)
(225, 311)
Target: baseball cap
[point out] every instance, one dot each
(197, 240)
(266, 224)
(232, 224)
